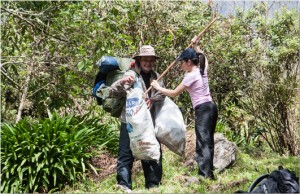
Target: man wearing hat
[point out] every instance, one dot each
(144, 63)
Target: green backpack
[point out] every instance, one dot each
(111, 70)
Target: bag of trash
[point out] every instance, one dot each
(143, 143)
(169, 126)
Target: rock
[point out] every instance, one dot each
(224, 152)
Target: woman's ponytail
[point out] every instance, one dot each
(201, 58)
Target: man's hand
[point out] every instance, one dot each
(127, 80)
(149, 103)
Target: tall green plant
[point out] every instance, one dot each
(273, 96)
(255, 67)
(43, 156)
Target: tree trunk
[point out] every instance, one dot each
(24, 93)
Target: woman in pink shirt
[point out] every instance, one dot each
(195, 82)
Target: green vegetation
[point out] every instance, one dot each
(43, 156)
(178, 178)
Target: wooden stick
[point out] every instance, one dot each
(203, 31)
(191, 44)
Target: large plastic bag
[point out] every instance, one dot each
(169, 126)
(143, 143)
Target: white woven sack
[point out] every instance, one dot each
(143, 143)
(170, 127)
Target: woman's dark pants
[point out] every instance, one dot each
(152, 169)
(206, 115)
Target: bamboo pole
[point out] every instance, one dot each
(191, 44)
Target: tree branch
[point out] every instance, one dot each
(40, 89)
(31, 24)
(10, 79)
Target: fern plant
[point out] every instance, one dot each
(43, 156)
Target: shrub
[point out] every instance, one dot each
(42, 156)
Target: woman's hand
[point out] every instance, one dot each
(127, 80)
(195, 41)
(155, 84)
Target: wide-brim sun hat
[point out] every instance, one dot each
(146, 51)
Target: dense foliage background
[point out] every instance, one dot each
(49, 51)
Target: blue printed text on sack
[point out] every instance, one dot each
(132, 111)
(132, 102)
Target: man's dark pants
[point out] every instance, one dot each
(152, 169)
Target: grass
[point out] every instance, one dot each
(178, 178)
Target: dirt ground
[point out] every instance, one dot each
(106, 164)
